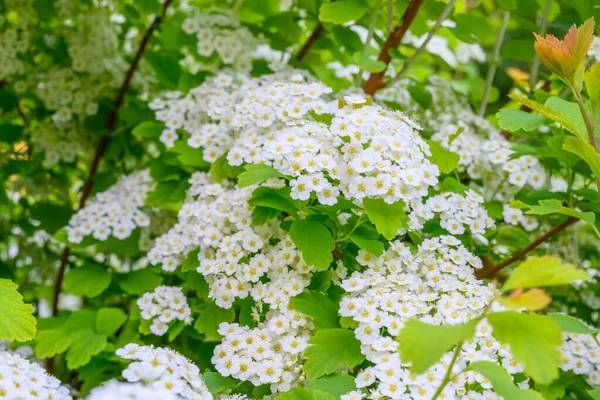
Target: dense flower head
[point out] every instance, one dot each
(271, 353)
(515, 216)
(436, 285)
(116, 211)
(21, 379)
(581, 354)
(58, 144)
(236, 258)
(14, 41)
(164, 305)
(164, 369)
(130, 391)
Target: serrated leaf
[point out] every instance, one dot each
(209, 319)
(585, 151)
(446, 160)
(502, 382)
(316, 305)
(592, 84)
(267, 197)
(554, 206)
(16, 319)
(571, 324)
(512, 120)
(388, 218)
(109, 320)
(543, 271)
(51, 342)
(315, 242)
(368, 64)
(89, 280)
(329, 350)
(342, 11)
(531, 300)
(534, 341)
(85, 345)
(374, 247)
(256, 173)
(439, 338)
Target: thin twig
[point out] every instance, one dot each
(316, 33)
(390, 16)
(493, 64)
(375, 81)
(423, 46)
(111, 122)
(481, 274)
(372, 25)
(590, 129)
(535, 66)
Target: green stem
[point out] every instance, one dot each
(390, 15)
(237, 5)
(493, 64)
(535, 66)
(590, 129)
(347, 236)
(449, 371)
(372, 25)
(421, 48)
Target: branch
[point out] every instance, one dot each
(481, 274)
(111, 122)
(316, 33)
(375, 81)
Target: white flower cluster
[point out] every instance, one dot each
(594, 50)
(581, 354)
(236, 258)
(164, 305)
(58, 144)
(438, 45)
(24, 380)
(455, 211)
(435, 285)
(115, 211)
(268, 354)
(515, 216)
(14, 41)
(224, 35)
(130, 391)
(164, 369)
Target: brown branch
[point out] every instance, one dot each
(375, 81)
(316, 33)
(102, 145)
(488, 272)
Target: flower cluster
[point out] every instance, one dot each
(164, 369)
(131, 391)
(21, 379)
(268, 354)
(581, 354)
(224, 35)
(115, 211)
(435, 285)
(14, 41)
(455, 212)
(515, 216)
(438, 45)
(237, 258)
(164, 305)
(58, 144)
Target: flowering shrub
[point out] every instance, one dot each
(261, 199)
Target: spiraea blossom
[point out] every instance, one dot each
(581, 354)
(436, 285)
(163, 306)
(236, 258)
(164, 369)
(268, 354)
(21, 379)
(515, 216)
(14, 40)
(130, 391)
(456, 213)
(116, 211)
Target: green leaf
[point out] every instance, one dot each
(267, 197)
(512, 120)
(543, 271)
(10, 133)
(446, 160)
(374, 247)
(534, 341)
(331, 348)
(421, 95)
(189, 155)
(261, 215)
(571, 324)
(217, 383)
(257, 173)
(315, 242)
(8, 101)
(334, 384)
(440, 339)
(502, 382)
(109, 320)
(531, 300)
(140, 281)
(592, 84)
(322, 310)
(305, 394)
(554, 206)
(342, 11)
(51, 342)
(594, 394)
(366, 63)
(209, 319)
(388, 218)
(16, 321)
(89, 280)
(547, 112)
(148, 129)
(585, 151)
(85, 345)
(52, 217)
